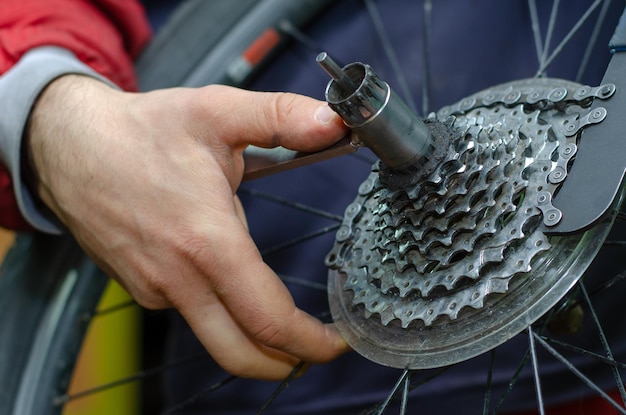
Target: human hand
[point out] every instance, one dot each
(146, 184)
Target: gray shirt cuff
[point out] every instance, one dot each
(19, 88)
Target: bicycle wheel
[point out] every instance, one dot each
(344, 390)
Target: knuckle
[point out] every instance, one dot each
(151, 290)
(278, 112)
(193, 248)
(273, 334)
(153, 286)
(148, 290)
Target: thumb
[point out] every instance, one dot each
(271, 119)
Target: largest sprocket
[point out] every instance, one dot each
(434, 266)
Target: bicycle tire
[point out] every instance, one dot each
(47, 288)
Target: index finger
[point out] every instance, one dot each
(272, 119)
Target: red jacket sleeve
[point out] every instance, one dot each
(105, 34)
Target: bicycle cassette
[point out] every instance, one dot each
(432, 268)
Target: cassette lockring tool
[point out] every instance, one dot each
(376, 115)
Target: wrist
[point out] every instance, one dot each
(20, 87)
(62, 114)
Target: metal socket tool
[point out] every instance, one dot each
(376, 114)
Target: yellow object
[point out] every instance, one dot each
(6, 241)
(111, 351)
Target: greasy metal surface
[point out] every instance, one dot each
(377, 115)
(431, 271)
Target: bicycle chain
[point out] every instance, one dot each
(415, 248)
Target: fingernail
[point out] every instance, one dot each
(324, 114)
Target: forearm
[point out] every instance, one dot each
(40, 42)
(23, 84)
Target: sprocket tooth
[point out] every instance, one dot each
(387, 316)
(386, 283)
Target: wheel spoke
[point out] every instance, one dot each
(534, 24)
(290, 203)
(428, 9)
(385, 404)
(513, 381)
(108, 310)
(199, 395)
(550, 31)
(578, 373)
(592, 40)
(535, 366)
(604, 341)
(609, 284)
(405, 394)
(300, 239)
(430, 377)
(555, 53)
(389, 50)
(281, 387)
(296, 34)
(412, 386)
(585, 352)
(63, 399)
